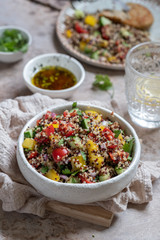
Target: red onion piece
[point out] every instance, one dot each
(63, 176)
(53, 115)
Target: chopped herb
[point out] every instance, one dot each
(74, 105)
(44, 169)
(61, 142)
(40, 148)
(128, 146)
(117, 132)
(83, 155)
(103, 83)
(66, 171)
(129, 158)
(74, 173)
(12, 40)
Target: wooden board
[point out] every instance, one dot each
(91, 214)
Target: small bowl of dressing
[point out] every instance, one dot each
(55, 75)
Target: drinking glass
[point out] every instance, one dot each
(142, 84)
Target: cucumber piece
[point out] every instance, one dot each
(119, 170)
(79, 14)
(28, 133)
(84, 123)
(88, 49)
(95, 55)
(61, 142)
(75, 142)
(104, 177)
(97, 33)
(124, 32)
(73, 180)
(105, 21)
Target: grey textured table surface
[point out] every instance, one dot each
(140, 222)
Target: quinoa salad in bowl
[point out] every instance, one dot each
(78, 146)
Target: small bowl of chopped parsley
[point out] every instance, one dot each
(14, 43)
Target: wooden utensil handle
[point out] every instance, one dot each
(92, 214)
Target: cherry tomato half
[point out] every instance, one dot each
(59, 153)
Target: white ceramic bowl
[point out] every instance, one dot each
(78, 193)
(53, 59)
(10, 57)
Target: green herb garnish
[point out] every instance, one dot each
(44, 169)
(12, 40)
(61, 142)
(83, 155)
(103, 83)
(74, 105)
(117, 132)
(128, 146)
(66, 171)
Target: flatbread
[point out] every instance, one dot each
(138, 16)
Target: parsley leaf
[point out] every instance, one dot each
(128, 146)
(117, 132)
(74, 105)
(44, 169)
(103, 83)
(83, 155)
(66, 171)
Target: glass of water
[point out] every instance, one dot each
(142, 84)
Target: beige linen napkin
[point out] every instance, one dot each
(18, 195)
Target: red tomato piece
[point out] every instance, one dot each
(47, 115)
(59, 153)
(105, 32)
(108, 133)
(112, 146)
(67, 129)
(65, 113)
(49, 130)
(42, 139)
(114, 159)
(32, 155)
(83, 179)
(79, 29)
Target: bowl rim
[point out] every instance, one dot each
(20, 29)
(76, 185)
(51, 55)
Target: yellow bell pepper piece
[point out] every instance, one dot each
(112, 59)
(82, 46)
(101, 127)
(95, 114)
(68, 33)
(90, 20)
(91, 146)
(77, 162)
(121, 138)
(53, 175)
(29, 143)
(96, 160)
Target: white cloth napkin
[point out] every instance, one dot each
(18, 195)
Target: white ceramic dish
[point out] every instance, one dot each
(153, 6)
(10, 57)
(78, 193)
(53, 59)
